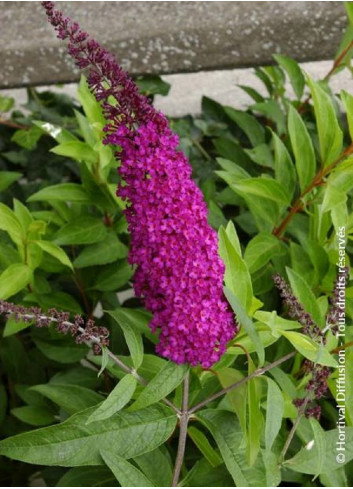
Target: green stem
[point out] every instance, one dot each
(293, 430)
(184, 419)
(201, 149)
(256, 373)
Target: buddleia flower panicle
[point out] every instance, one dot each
(83, 331)
(316, 386)
(179, 274)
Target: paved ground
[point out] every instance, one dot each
(188, 89)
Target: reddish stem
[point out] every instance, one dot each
(339, 60)
(335, 65)
(316, 182)
(15, 125)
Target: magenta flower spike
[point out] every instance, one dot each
(179, 274)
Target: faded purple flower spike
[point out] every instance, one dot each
(296, 310)
(179, 273)
(317, 386)
(84, 332)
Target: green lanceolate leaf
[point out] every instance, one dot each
(349, 11)
(153, 85)
(237, 277)
(284, 166)
(303, 150)
(274, 412)
(233, 236)
(347, 100)
(231, 150)
(15, 278)
(83, 376)
(229, 437)
(255, 417)
(10, 223)
(305, 296)
(7, 178)
(337, 478)
(254, 94)
(237, 397)
(81, 231)
(320, 442)
(243, 339)
(127, 474)
(95, 476)
(261, 155)
(106, 251)
(294, 72)
(59, 300)
(267, 188)
(343, 54)
(71, 192)
(104, 360)
(156, 458)
(12, 327)
(58, 133)
(272, 110)
(73, 443)
(8, 255)
(116, 400)
(55, 251)
(62, 351)
(86, 129)
(261, 249)
(309, 348)
(139, 320)
(27, 138)
(112, 277)
(202, 443)
(6, 103)
(274, 321)
(132, 336)
(33, 415)
(248, 325)
(249, 124)
(25, 217)
(234, 171)
(77, 150)
(167, 379)
(72, 398)
(309, 458)
(91, 107)
(330, 134)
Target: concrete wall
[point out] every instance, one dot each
(168, 37)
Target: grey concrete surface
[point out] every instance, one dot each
(187, 89)
(168, 37)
